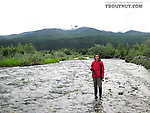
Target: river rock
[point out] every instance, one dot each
(135, 88)
(106, 78)
(121, 87)
(120, 93)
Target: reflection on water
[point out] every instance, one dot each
(68, 87)
(98, 106)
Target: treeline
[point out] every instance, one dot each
(138, 53)
(12, 51)
(23, 55)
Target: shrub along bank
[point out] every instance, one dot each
(138, 54)
(24, 55)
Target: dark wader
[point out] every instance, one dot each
(98, 82)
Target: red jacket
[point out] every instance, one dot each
(98, 68)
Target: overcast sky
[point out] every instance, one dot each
(17, 16)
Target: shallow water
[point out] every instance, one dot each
(68, 87)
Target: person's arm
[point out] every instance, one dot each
(102, 69)
(92, 68)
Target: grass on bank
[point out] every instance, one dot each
(7, 62)
(35, 59)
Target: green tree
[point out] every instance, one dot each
(127, 48)
(29, 48)
(67, 51)
(82, 51)
(12, 51)
(146, 50)
(120, 51)
(1, 51)
(109, 50)
(20, 48)
(98, 49)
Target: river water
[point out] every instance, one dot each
(67, 87)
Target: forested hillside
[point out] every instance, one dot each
(84, 37)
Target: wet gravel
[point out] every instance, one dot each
(67, 87)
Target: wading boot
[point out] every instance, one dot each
(100, 92)
(95, 92)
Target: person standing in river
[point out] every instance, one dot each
(97, 68)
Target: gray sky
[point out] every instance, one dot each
(17, 16)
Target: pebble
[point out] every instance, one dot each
(118, 83)
(120, 93)
(109, 89)
(135, 88)
(121, 87)
(133, 94)
(106, 78)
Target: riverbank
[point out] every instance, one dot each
(27, 55)
(139, 60)
(31, 60)
(38, 60)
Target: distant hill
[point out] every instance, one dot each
(83, 37)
